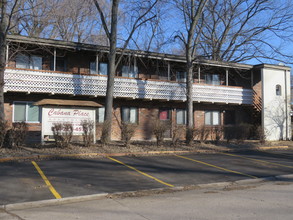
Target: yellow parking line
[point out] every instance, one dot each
(262, 161)
(145, 174)
(52, 189)
(220, 168)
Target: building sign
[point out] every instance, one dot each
(53, 115)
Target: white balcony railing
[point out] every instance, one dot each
(18, 80)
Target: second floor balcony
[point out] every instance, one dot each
(49, 82)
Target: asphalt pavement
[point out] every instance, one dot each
(54, 179)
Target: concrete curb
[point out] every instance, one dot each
(273, 147)
(221, 185)
(52, 202)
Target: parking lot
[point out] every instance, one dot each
(53, 179)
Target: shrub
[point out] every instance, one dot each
(261, 134)
(127, 132)
(62, 133)
(202, 133)
(16, 135)
(177, 132)
(242, 132)
(105, 136)
(88, 132)
(159, 128)
(3, 130)
(229, 132)
(217, 133)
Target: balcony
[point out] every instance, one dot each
(32, 81)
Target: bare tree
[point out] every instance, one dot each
(152, 35)
(241, 30)
(7, 11)
(136, 13)
(68, 20)
(191, 12)
(31, 18)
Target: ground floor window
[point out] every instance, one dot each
(26, 111)
(181, 117)
(129, 114)
(212, 117)
(100, 115)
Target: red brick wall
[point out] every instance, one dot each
(148, 111)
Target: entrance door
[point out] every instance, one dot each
(165, 116)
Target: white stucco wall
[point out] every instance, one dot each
(276, 119)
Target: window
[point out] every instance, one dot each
(278, 90)
(164, 114)
(212, 118)
(93, 68)
(26, 111)
(130, 71)
(181, 76)
(61, 64)
(28, 62)
(129, 114)
(103, 68)
(212, 79)
(181, 116)
(100, 114)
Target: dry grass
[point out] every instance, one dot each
(135, 147)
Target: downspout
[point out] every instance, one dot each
(198, 73)
(227, 77)
(7, 55)
(54, 67)
(169, 69)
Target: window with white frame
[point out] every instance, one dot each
(28, 62)
(26, 111)
(100, 114)
(212, 79)
(212, 118)
(129, 114)
(181, 118)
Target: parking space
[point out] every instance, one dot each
(51, 179)
(246, 165)
(20, 182)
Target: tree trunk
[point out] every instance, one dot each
(190, 47)
(3, 33)
(189, 101)
(2, 68)
(107, 129)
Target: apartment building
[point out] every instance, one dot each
(49, 81)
